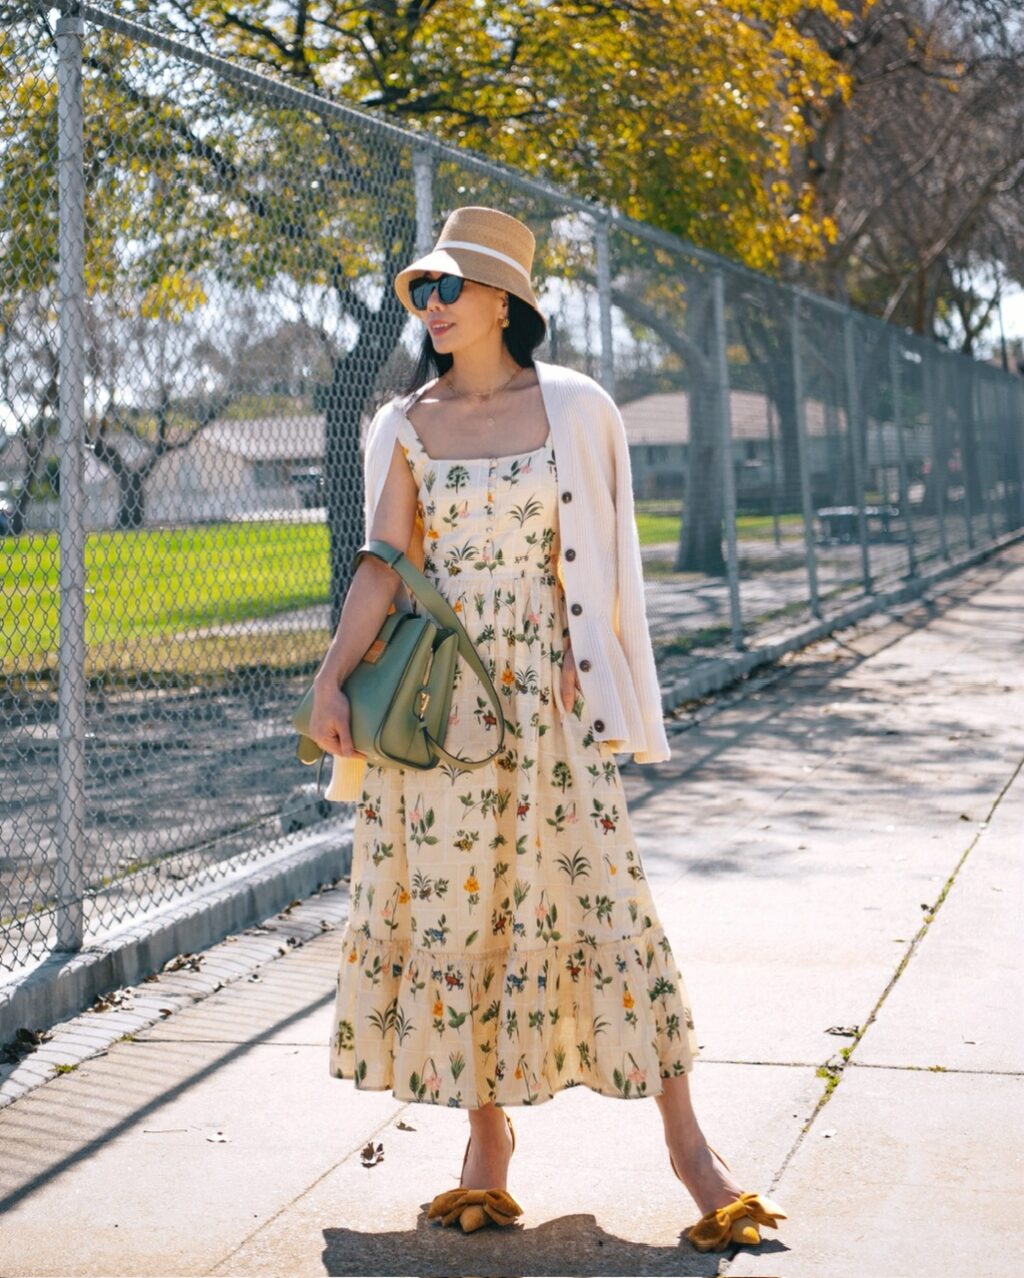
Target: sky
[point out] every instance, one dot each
(1013, 314)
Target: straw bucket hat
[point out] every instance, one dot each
(479, 244)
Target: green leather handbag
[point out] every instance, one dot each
(400, 693)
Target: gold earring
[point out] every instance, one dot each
(505, 322)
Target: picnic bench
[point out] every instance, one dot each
(842, 524)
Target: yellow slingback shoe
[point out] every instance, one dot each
(473, 1208)
(736, 1222)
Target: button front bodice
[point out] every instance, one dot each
(486, 517)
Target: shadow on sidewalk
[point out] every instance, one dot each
(92, 1107)
(569, 1245)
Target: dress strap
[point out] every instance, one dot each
(405, 426)
(407, 435)
(405, 402)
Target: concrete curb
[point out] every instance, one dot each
(719, 673)
(64, 983)
(188, 978)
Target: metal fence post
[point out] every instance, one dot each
(805, 473)
(858, 440)
(728, 479)
(966, 458)
(895, 378)
(772, 459)
(604, 302)
(940, 458)
(423, 188)
(984, 430)
(1019, 449)
(1007, 457)
(71, 523)
(1015, 433)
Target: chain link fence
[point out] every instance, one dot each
(198, 323)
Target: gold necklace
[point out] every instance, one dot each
(485, 396)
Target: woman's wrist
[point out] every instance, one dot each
(331, 674)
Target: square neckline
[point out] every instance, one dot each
(528, 452)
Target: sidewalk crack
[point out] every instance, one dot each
(833, 1069)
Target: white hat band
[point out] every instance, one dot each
(480, 248)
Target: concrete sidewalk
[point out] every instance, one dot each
(835, 851)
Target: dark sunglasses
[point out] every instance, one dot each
(448, 289)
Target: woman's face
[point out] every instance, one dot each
(474, 317)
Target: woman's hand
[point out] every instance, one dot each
(329, 722)
(570, 683)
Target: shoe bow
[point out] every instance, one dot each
(714, 1229)
(499, 1205)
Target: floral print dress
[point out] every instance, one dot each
(503, 943)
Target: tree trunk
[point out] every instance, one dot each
(700, 536)
(343, 472)
(33, 439)
(131, 499)
(700, 547)
(770, 349)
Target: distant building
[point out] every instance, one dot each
(658, 431)
(240, 467)
(230, 470)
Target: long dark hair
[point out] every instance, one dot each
(526, 331)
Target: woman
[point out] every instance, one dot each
(503, 943)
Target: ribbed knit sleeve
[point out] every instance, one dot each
(630, 618)
(375, 465)
(347, 774)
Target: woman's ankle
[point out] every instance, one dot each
(489, 1124)
(708, 1181)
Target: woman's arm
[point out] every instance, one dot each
(367, 602)
(569, 682)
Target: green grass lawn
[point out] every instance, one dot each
(155, 583)
(657, 527)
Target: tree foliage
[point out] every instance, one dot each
(683, 116)
(920, 167)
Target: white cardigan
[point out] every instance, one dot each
(603, 578)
